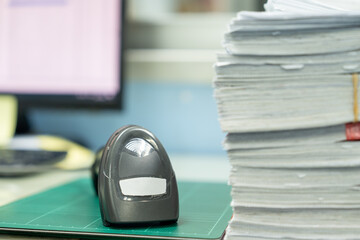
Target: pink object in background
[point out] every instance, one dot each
(60, 46)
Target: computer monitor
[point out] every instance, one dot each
(62, 53)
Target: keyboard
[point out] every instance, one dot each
(15, 162)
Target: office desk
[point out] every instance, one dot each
(186, 167)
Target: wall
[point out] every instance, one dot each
(182, 116)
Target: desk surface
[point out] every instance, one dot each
(194, 168)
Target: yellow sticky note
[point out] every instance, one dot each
(8, 118)
(78, 157)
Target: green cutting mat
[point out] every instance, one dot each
(73, 210)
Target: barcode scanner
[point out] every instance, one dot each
(135, 181)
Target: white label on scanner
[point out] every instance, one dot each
(143, 186)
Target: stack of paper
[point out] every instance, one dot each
(286, 90)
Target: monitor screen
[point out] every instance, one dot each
(64, 53)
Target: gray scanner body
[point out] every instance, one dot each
(136, 182)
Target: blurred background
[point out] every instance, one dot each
(170, 49)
